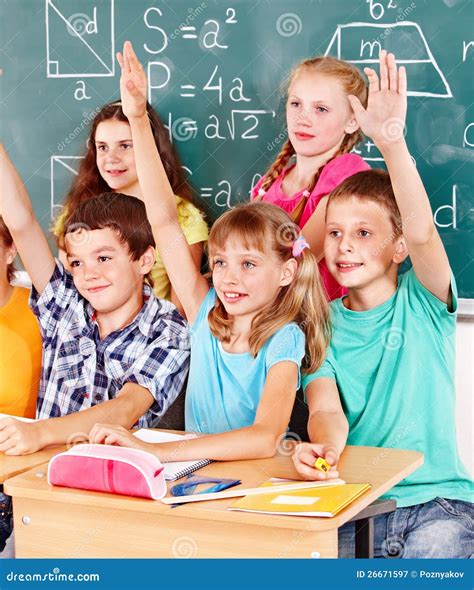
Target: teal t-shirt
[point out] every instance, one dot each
(224, 389)
(394, 368)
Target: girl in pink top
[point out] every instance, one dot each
(322, 130)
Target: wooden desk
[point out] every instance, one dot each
(66, 523)
(13, 465)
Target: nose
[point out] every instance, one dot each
(303, 117)
(230, 276)
(345, 243)
(90, 272)
(112, 155)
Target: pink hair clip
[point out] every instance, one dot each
(261, 192)
(299, 245)
(306, 193)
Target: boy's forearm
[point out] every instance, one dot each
(328, 428)
(157, 193)
(410, 194)
(121, 410)
(15, 205)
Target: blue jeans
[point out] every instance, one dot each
(438, 529)
(6, 518)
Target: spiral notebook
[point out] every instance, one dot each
(175, 469)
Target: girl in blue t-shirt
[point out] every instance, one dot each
(263, 319)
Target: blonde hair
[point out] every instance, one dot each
(266, 227)
(353, 83)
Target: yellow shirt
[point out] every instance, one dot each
(194, 228)
(20, 356)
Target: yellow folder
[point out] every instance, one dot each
(322, 501)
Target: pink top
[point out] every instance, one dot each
(333, 174)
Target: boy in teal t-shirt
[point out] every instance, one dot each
(388, 378)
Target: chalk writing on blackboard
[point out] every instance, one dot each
(359, 43)
(90, 35)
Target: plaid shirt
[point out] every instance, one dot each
(80, 370)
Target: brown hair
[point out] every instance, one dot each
(267, 227)
(89, 183)
(374, 186)
(7, 241)
(123, 214)
(353, 83)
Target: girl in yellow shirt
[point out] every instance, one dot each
(109, 165)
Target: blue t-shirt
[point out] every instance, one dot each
(394, 368)
(224, 389)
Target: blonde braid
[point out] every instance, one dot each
(278, 165)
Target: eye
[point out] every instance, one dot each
(321, 109)
(334, 233)
(217, 262)
(127, 146)
(75, 263)
(101, 148)
(104, 258)
(294, 103)
(248, 265)
(363, 233)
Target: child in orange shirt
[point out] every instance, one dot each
(20, 356)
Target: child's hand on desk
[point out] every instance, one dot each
(133, 83)
(384, 118)
(305, 456)
(110, 434)
(20, 438)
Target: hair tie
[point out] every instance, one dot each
(261, 192)
(299, 245)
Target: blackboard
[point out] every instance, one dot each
(216, 71)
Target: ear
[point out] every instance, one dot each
(401, 250)
(288, 272)
(351, 125)
(12, 252)
(147, 260)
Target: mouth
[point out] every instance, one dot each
(97, 289)
(348, 266)
(303, 136)
(115, 173)
(233, 297)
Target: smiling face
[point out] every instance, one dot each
(115, 158)
(104, 272)
(318, 114)
(361, 246)
(248, 280)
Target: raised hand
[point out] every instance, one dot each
(384, 118)
(133, 83)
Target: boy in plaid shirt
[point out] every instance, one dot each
(112, 352)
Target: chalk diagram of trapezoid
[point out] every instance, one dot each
(80, 38)
(360, 43)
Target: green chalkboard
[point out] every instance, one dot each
(216, 70)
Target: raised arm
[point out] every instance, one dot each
(187, 282)
(17, 212)
(384, 122)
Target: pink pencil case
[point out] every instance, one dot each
(105, 468)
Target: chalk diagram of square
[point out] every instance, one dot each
(397, 41)
(59, 27)
(63, 168)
